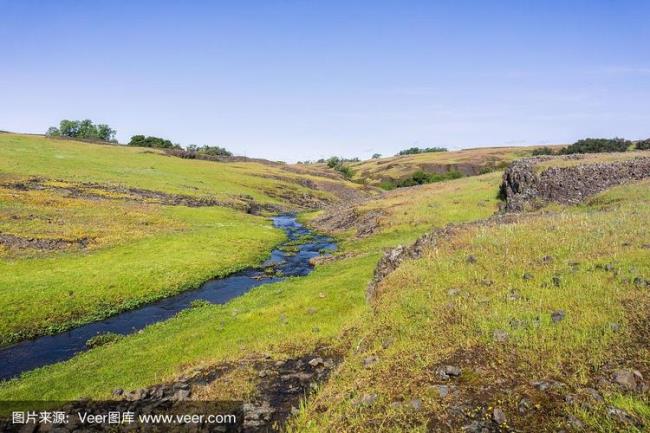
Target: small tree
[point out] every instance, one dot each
(84, 129)
(376, 155)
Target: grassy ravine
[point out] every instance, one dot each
(272, 319)
(419, 325)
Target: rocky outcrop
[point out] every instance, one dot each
(526, 187)
(97, 191)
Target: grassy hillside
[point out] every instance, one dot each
(87, 230)
(547, 309)
(75, 161)
(467, 162)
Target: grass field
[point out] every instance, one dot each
(584, 261)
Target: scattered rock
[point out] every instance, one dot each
(475, 427)
(574, 422)
(628, 379)
(442, 390)
(615, 327)
(498, 416)
(118, 392)
(311, 311)
(595, 395)
(387, 342)
(527, 276)
(619, 415)
(416, 404)
(369, 361)
(136, 395)
(315, 362)
(500, 336)
(453, 292)
(556, 281)
(471, 259)
(524, 405)
(448, 371)
(367, 400)
(181, 395)
(544, 385)
(513, 295)
(557, 316)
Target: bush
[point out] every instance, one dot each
(156, 142)
(643, 144)
(344, 170)
(543, 151)
(416, 150)
(597, 145)
(376, 155)
(82, 129)
(209, 150)
(421, 177)
(103, 339)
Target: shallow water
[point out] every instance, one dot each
(31, 354)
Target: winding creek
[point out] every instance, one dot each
(30, 354)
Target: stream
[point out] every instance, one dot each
(30, 354)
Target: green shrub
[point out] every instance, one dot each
(597, 145)
(345, 170)
(643, 144)
(149, 141)
(421, 177)
(416, 150)
(543, 151)
(209, 150)
(103, 339)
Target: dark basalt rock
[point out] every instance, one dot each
(523, 187)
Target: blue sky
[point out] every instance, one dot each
(294, 80)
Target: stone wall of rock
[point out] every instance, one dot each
(525, 187)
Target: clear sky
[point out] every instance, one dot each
(294, 80)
